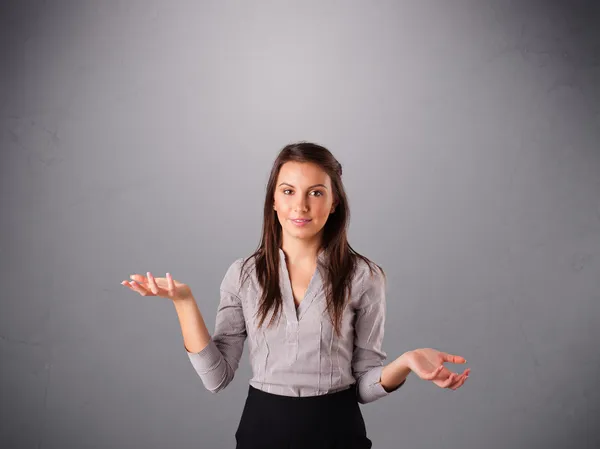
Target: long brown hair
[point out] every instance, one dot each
(340, 258)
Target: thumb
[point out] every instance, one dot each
(451, 358)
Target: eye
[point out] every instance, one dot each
(314, 191)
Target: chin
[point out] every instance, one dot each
(304, 233)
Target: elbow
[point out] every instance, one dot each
(214, 383)
(214, 389)
(362, 399)
(361, 394)
(215, 369)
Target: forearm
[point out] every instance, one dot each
(394, 373)
(193, 328)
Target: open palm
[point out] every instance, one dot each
(427, 363)
(166, 287)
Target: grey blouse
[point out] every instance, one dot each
(300, 354)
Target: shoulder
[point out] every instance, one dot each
(371, 282)
(237, 274)
(369, 272)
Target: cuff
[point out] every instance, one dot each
(370, 388)
(207, 359)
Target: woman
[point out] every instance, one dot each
(313, 311)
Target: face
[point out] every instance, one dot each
(303, 190)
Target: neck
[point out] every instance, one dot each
(300, 252)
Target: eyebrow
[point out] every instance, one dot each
(316, 185)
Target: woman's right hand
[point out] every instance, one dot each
(166, 287)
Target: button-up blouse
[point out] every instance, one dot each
(300, 354)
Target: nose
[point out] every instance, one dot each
(300, 204)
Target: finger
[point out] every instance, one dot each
(451, 358)
(444, 374)
(450, 381)
(432, 375)
(460, 383)
(459, 380)
(152, 283)
(453, 380)
(138, 277)
(139, 288)
(170, 285)
(128, 285)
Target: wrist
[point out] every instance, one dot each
(184, 301)
(394, 374)
(403, 361)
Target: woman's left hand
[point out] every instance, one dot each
(428, 364)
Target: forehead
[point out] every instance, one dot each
(298, 173)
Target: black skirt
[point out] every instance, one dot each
(330, 421)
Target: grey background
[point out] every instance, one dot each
(138, 135)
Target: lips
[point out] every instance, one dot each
(301, 220)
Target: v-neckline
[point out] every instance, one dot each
(294, 314)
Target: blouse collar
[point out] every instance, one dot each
(320, 255)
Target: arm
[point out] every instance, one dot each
(368, 355)
(216, 358)
(395, 373)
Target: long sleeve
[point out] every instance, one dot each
(217, 362)
(368, 355)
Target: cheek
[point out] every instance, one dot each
(282, 205)
(324, 211)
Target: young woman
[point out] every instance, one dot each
(313, 312)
